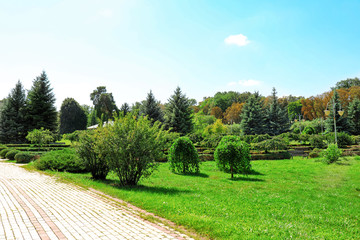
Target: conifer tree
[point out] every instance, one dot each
(41, 111)
(277, 120)
(72, 116)
(152, 109)
(354, 116)
(252, 115)
(178, 114)
(12, 118)
(104, 103)
(125, 108)
(342, 124)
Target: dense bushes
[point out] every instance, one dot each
(275, 143)
(183, 156)
(331, 154)
(233, 155)
(4, 152)
(24, 157)
(11, 154)
(317, 141)
(89, 152)
(61, 160)
(343, 139)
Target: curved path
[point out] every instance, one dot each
(36, 206)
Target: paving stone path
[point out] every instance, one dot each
(36, 206)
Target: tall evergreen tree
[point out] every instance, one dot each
(104, 103)
(152, 109)
(72, 116)
(354, 116)
(41, 111)
(342, 124)
(178, 114)
(277, 120)
(125, 108)
(253, 116)
(12, 118)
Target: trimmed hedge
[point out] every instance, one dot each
(11, 154)
(24, 157)
(4, 152)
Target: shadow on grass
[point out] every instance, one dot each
(202, 175)
(247, 179)
(343, 164)
(253, 172)
(142, 188)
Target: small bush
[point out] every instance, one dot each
(260, 138)
(4, 152)
(331, 154)
(183, 156)
(11, 154)
(315, 153)
(343, 139)
(317, 141)
(272, 144)
(89, 153)
(309, 130)
(355, 139)
(60, 160)
(24, 157)
(233, 155)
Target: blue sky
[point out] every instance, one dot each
(301, 48)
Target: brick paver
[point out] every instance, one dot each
(36, 206)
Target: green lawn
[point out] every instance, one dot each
(300, 198)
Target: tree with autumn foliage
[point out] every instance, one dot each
(217, 112)
(232, 114)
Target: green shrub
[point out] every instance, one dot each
(11, 154)
(211, 141)
(2, 147)
(183, 156)
(343, 139)
(24, 157)
(40, 136)
(4, 152)
(89, 152)
(233, 155)
(315, 153)
(331, 154)
(355, 139)
(275, 143)
(309, 130)
(317, 141)
(260, 138)
(61, 160)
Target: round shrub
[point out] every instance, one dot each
(315, 153)
(275, 143)
(60, 160)
(183, 156)
(233, 156)
(11, 154)
(93, 160)
(331, 154)
(317, 141)
(4, 152)
(309, 130)
(343, 139)
(24, 157)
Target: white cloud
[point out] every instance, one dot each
(107, 13)
(239, 40)
(232, 83)
(249, 83)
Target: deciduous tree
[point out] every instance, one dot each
(72, 116)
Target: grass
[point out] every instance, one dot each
(299, 198)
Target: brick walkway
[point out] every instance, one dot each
(36, 206)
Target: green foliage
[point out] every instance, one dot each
(13, 116)
(178, 113)
(40, 136)
(11, 154)
(275, 143)
(104, 103)
(183, 156)
(60, 160)
(216, 128)
(73, 137)
(125, 109)
(342, 124)
(315, 153)
(233, 156)
(260, 138)
(331, 154)
(41, 110)
(211, 141)
(72, 116)
(343, 139)
(89, 152)
(253, 116)
(309, 130)
(131, 147)
(348, 83)
(151, 108)
(24, 157)
(317, 141)
(277, 120)
(294, 109)
(354, 116)
(202, 121)
(4, 152)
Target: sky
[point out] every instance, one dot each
(299, 47)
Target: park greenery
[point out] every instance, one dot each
(128, 151)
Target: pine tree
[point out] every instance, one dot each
(342, 124)
(152, 109)
(178, 114)
(41, 111)
(125, 109)
(277, 120)
(354, 116)
(72, 116)
(12, 118)
(253, 116)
